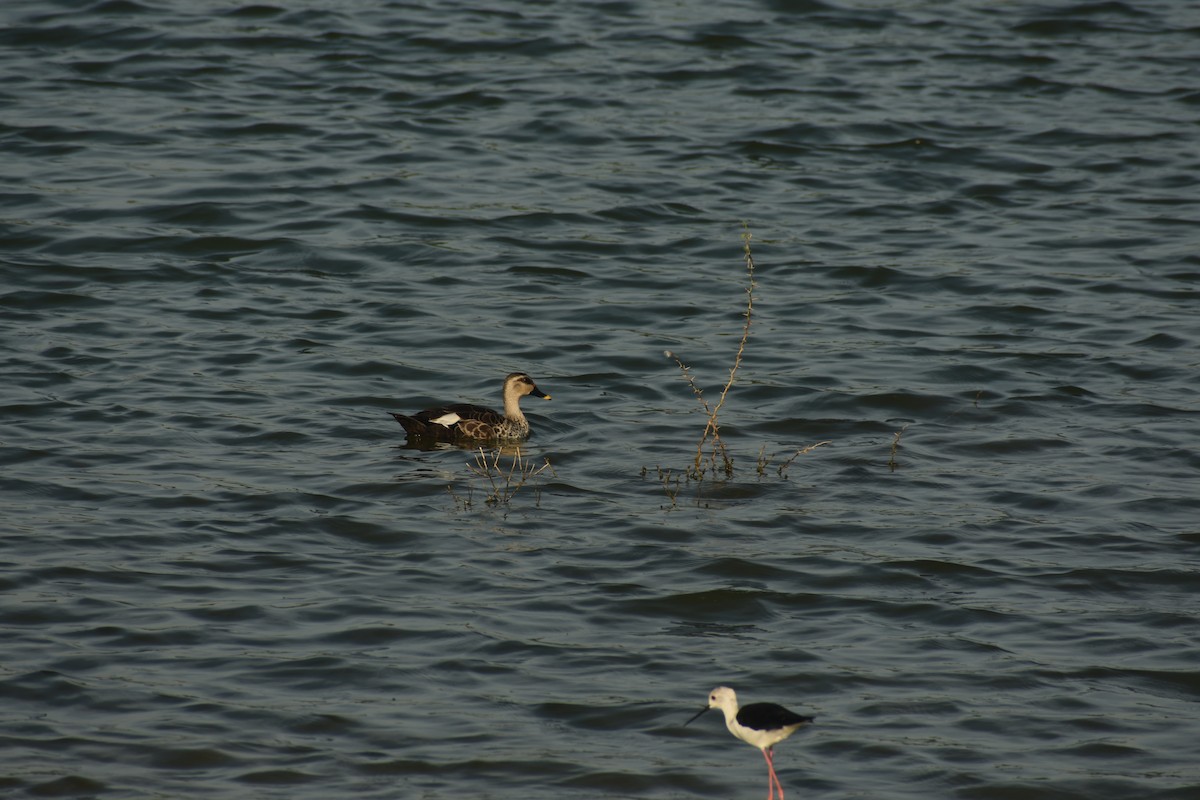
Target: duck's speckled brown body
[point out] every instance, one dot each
(463, 422)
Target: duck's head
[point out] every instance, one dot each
(520, 384)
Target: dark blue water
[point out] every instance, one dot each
(958, 521)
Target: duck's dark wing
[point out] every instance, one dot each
(451, 422)
(463, 410)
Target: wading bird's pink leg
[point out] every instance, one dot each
(771, 780)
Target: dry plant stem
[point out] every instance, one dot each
(670, 485)
(763, 459)
(712, 428)
(737, 359)
(895, 446)
(461, 502)
(687, 376)
(783, 468)
(737, 362)
(696, 472)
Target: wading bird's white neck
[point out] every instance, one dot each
(725, 699)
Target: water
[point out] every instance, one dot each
(235, 236)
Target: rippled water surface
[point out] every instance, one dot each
(959, 520)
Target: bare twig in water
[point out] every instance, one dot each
(896, 446)
(783, 468)
(462, 502)
(504, 483)
(670, 484)
(712, 428)
(697, 471)
(711, 452)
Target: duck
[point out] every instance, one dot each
(464, 422)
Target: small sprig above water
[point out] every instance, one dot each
(765, 460)
(502, 481)
(895, 448)
(712, 431)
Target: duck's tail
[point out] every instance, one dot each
(412, 425)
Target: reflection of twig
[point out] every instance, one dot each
(896, 446)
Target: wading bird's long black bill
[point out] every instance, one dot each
(698, 713)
